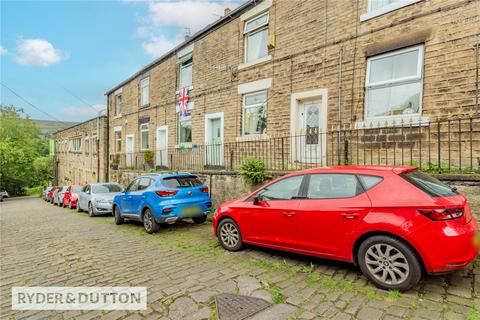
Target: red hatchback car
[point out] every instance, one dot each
(70, 196)
(394, 222)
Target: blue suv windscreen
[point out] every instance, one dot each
(181, 182)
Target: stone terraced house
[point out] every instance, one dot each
(308, 83)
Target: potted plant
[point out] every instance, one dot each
(114, 162)
(147, 160)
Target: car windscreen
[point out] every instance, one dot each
(181, 182)
(106, 188)
(76, 188)
(428, 184)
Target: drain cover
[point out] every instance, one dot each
(236, 307)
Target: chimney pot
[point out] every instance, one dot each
(226, 11)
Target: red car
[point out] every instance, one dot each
(70, 196)
(51, 193)
(394, 222)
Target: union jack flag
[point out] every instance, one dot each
(183, 96)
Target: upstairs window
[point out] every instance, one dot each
(118, 104)
(379, 7)
(145, 92)
(374, 5)
(76, 145)
(256, 37)
(186, 71)
(394, 83)
(255, 113)
(185, 130)
(144, 136)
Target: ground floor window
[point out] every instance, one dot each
(118, 141)
(185, 130)
(144, 136)
(255, 113)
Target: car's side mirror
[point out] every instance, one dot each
(256, 200)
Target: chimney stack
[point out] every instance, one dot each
(227, 11)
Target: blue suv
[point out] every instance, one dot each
(163, 198)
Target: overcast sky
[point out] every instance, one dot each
(63, 55)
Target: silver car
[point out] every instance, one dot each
(97, 198)
(58, 197)
(3, 194)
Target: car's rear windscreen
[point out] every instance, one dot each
(428, 184)
(181, 182)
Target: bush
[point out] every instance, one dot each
(148, 157)
(253, 170)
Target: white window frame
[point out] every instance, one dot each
(118, 106)
(145, 83)
(144, 128)
(244, 107)
(184, 119)
(386, 9)
(76, 145)
(389, 83)
(182, 66)
(252, 32)
(117, 139)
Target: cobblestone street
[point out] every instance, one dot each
(183, 268)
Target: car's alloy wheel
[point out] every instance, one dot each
(229, 235)
(90, 209)
(118, 218)
(78, 207)
(389, 262)
(149, 223)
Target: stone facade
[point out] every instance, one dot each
(80, 157)
(318, 50)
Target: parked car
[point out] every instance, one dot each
(54, 194)
(163, 198)
(58, 196)
(50, 194)
(393, 222)
(3, 194)
(45, 193)
(97, 198)
(70, 196)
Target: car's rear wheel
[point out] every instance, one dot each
(149, 223)
(118, 217)
(229, 235)
(389, 263)
(70, 205)
(90, 210)
(199, 220)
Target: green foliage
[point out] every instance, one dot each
(35, 191)
(277, 296)
(253, 170)
(20, 146)
(148, 157)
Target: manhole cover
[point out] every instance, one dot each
(236, 307)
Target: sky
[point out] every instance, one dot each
(62, 56)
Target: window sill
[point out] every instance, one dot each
(188, 145)
(393, 121)
(117, 116)
(392, 7)
(145, 106)
(252, 137)
(254, 62)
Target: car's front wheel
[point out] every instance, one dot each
(78, 207)
(118, 217)
(199, 220)
(229, 235)
(149, 223)
(389, 263)
(90, 210)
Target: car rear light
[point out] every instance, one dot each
(440, 214)
(166, 193)
(204, 189)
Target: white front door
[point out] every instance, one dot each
(129, 150)
(214, 139)
(310, 132)
(161, 153)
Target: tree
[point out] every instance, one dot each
(20, 146)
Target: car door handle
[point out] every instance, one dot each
(350, 215)
(289, 214)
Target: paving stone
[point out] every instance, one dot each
(247, 285)
(276, 312)
(307, 315)
(226, 287)
(181, 308)
(203, 296)
(262, 294)
(369, 313)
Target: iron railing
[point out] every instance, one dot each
(451, 145)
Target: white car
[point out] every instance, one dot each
(97, 198)
(3, 194)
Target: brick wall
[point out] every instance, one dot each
(312, 38)
(87, 165)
